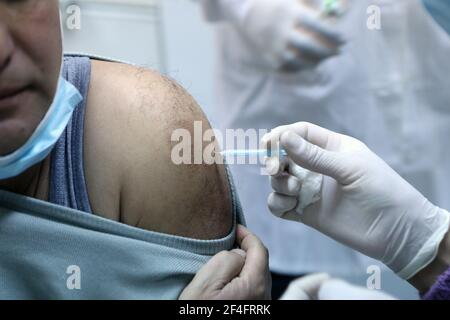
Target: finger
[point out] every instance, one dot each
(221, 268)
(309, 46)
(311, 156)
(240, 252)
(316, 135)
(293, 60)
(292, 215)
(257, 256)
(336, 289)
(275, 165)
(280, 204)
(319, 38)
(305, 288)
(312, 20)
(316, 38)
(286, 184)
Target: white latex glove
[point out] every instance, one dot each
(287, 34)
(305, 288)
(364, 204)
(321, 286)
(336, 289)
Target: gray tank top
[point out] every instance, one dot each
(67, 181)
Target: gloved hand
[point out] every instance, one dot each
(364, 203)
(305, 288)
(287, 34)
(321, 286)
(239, 274)
(336, 289)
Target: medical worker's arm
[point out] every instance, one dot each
(130, 175)
(239, 274)
(286, 34)
(364, 203)
(425, 278)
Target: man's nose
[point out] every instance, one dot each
(6, 47)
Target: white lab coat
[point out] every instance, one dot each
(390, 88)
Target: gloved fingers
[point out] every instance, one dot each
(288, 185)
(275, 166)
(295, 170)
(311, 156)
(313, 20)
(280, 204)
(305, 288)
(292, 60)
(323, 138)
(314, 134)
(292, 215)
(336, 289)
(319, 39)
(310, 48)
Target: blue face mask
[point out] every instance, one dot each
(50, 129)
(440, 11)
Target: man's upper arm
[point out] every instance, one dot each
(144, 109)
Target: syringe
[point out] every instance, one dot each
(253, 152)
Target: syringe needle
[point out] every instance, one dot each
(251, 152)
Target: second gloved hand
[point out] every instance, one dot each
(286, 34)
(364, 203)
(321, 286)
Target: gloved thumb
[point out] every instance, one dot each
(305, 288)
(312, 157)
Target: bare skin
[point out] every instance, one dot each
(131, 114)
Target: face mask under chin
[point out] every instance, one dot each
(47, 133)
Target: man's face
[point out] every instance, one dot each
(30, 61)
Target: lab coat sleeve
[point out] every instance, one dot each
(223, 10)
(441, 289)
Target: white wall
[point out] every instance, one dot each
(118, 29)
(190, 50)
(171, 37)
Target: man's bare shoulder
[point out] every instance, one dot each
(131, 115)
